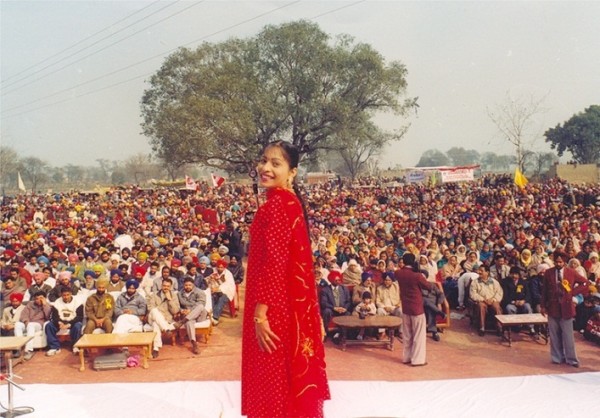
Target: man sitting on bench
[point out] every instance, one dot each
(487, 294)
(67, 313)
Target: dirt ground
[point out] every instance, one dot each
(461, 353)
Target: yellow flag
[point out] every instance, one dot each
(520, 179)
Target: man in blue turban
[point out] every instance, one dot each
(130, 309)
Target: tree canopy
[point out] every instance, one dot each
(433, 158)
(580, 136)
(220, 104)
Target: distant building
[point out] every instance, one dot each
(576, 173)
(320, 177)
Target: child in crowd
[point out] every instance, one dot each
(365, 308)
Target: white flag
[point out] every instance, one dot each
(20, 183)
(190, 183)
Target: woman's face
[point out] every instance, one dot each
(274, 170)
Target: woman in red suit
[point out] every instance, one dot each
(283, 365)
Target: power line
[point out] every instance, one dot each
(101, 49)
(151, 58)
(338, 9)
(80, 42)
(78, 96)
(154, 57)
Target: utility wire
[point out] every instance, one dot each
(154, 57)
(80, 42)
(105, 47)
(79, 95)
(150, 58)
(336, 10)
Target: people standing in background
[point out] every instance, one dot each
(414, 334)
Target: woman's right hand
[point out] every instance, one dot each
(266, 337)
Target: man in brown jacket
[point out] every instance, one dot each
(414, 332)
(560, 284)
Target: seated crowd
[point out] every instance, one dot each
(141, 259)
(81, 289)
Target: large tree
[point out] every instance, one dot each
(221, 103)
(580, 136)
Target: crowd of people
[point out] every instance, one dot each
(131, 257)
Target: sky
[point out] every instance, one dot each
(73, 73)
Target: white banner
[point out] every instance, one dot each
(459, 174)
(415, 176)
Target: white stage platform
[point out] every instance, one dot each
(568, 395)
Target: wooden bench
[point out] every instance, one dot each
(143, 340)
(506, 322)
(389, 323)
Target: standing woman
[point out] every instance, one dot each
(283, 365)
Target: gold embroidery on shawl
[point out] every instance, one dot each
(308, 347)
(297, 345)
(295, 222)
(305, 389)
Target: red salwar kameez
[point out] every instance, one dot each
(291, 381)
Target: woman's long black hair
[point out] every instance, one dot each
(291, 153)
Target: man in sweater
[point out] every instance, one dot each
(32, 320)
(38, 285)
(192, 301)
(130, 309)
(67, 313)
(413, 315)
(487, 293)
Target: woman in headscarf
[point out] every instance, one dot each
(525, 262)
(461, 253)
(575, 264)
(592, 266)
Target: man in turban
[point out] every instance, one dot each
(64, 280)
(38, 285)
(115, 283)
(11, 314)
(203, 266)
(130, 309)
(99, 308)
(335, 299)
